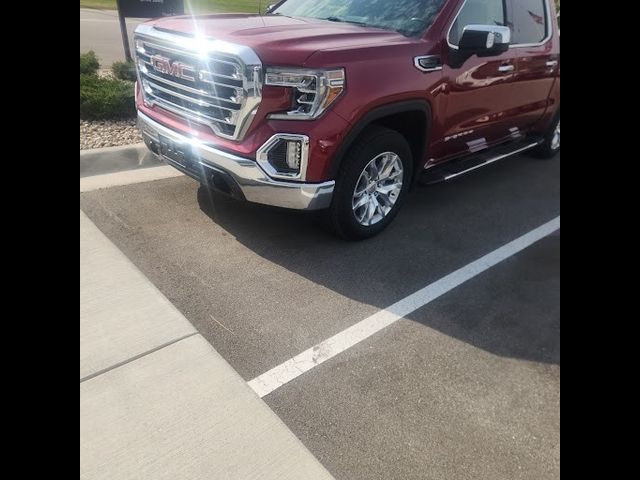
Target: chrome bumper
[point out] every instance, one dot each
(255, 185)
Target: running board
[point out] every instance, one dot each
(456, 168)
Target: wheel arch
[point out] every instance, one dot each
(411, 118)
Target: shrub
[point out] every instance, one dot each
(89, 64)
(106, 98)
(124, 70)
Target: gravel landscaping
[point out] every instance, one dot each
(108, 133)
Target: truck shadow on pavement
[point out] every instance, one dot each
(512, 310)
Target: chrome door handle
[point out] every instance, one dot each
(505, 68)
(552, 63)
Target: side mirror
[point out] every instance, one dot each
(480, 40)
(485, 40)
(270, 7)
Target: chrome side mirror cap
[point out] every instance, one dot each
(480, 40)
(485, 40)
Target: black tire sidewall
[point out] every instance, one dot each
(544, 150)
(550, 135)
(374, 142)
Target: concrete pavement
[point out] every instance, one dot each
(107, 180)
(98, 161)
(156, 400)
(465, 387)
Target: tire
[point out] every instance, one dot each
(376, 147)
(551, 144)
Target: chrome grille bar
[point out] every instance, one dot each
(203, 118)
(197, 101)
(214, 83)
(195, 91)
(201, 73)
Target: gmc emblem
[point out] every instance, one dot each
(175, 69)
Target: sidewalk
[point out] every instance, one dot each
(156, 400)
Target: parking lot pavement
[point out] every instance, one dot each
(263, 285)
(466, 387)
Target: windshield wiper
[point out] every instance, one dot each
(273, 14)
(362, 24)
(343, 20)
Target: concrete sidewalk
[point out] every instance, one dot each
(156, 400)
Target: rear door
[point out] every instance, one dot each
(537, 55)
(479, 94)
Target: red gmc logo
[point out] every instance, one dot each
(175, 69)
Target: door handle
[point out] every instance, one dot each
(506, 68)
(552, 63)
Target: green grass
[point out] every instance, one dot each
(105, 4)
(250, 6)
(195, 6)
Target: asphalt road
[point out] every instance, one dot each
(100, 32)
(464, 387)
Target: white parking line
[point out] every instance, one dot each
(314, 356)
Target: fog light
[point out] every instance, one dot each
(294, 154)
(284, 156)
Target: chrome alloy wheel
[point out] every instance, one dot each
(377, 189)
(555, 140)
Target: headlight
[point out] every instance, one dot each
(314, 90)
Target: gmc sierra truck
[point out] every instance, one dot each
(343, 105)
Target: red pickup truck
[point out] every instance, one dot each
(343, 105)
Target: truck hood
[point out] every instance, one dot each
(280, 40)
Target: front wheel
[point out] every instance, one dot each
(373, 181)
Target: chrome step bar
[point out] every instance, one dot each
(490, 161)
(442, 174)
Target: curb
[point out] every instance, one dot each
(129, 177)
(119, 148)
(98, 161)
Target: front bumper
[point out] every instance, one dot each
(243, 176)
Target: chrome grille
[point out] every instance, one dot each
(210, 82)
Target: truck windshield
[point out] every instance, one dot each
(408, 17)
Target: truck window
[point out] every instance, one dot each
(477, 12)
(529, 21)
